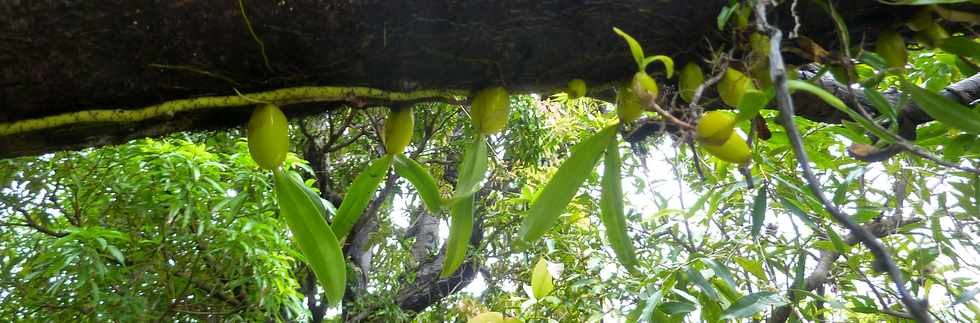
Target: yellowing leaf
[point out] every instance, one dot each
(487, 317)
(541, 281)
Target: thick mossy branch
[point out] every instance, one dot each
(280, 97)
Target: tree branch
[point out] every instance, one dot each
(821, 272)
(777, 71)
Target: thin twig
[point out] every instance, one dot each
(777, 71)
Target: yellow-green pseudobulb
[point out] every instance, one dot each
(732, 86)
(268, 136)
(715, 127)
(642, 80)
(691, 77)
(398, 130)
(576, 88)
(734, 150)
(489, 110)
(628, 106)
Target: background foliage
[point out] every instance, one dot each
(184, 228)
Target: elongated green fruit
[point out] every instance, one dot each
(359, 195)
(611, 208)
(562, 187)
(691, 77)
(628, 106)
(398, 129)
(891, 46)
(490, 109)
(459, 235)
(312, 234)
(576, 88)
(268, 136)
(420, 178)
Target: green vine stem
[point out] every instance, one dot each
(280, 97)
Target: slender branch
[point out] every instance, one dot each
(284, 96)
(777, 71)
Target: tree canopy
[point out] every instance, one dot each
(490, 161)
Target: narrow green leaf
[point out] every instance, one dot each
(799, 279)
(724, 15)
(872, 59)
(837, 103)
(967, 296)
(420, 178)
(842, 31)
(317, 201)
(880, 103)
(635, 47)
(956, 147)
(312, 234)
(721, 271)
(751, 304)
(460, 230)
(750, 104)
(753, 267)
(726, 290)
(667, 61)
(695, 277)
(944, 110)
(674, 308)
(563, 185)
(611, 207)
(835, 239)
(472, 169)
(358, 196)
(651, 304)
(116, 254)
(795, 210)
(758, 213)
(961, 45)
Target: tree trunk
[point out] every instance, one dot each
(66, 56)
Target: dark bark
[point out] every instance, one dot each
(65, 56)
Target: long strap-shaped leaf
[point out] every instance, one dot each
(311, 232)
(944, 110)
(563, 185)
(359, 195)
(459, 235)
(421, 179)
(317, 202)
(472, 169)
(611, 207)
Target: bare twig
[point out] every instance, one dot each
(651, 101)
(777, 71)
